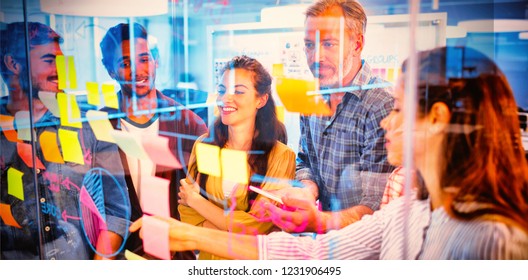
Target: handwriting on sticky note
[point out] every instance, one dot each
(100, 125)
(154, 195)
(15, 187)
(208, 159)
(156, 237)
(71, 148)
(234, 166)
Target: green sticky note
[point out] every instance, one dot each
(68, 110)
(92, 93)
(109, 96)
(71, 148)
(208, 159)
(234, 166)
(15, 187)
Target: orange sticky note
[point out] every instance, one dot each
(25, 152)
(234, 166)
(157, 148)
(23, 125)
(92, 93)
(298, 96)
(71, 148)
(50, 148)
(156, 237)
(154, 195)
(100, 125)
(7, 216)
(130, 144)
(15, 187)
(8, 128)
(50, 101)
(69, 110)
(208, 159)
(110, 96)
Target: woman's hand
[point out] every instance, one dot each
(188, 193)
(180, 234)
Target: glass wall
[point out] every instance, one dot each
(98, 131)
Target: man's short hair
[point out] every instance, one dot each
(115, 36)
(12, 41)
(355, 16)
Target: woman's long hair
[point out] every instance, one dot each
(268, 129)
(484, 157)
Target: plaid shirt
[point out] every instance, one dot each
(345, 154)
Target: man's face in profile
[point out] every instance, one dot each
(141, 78)
(43, 67)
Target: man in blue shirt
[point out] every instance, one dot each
(342, 159)
(54, 206)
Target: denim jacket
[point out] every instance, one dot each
(53, 223)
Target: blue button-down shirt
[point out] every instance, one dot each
(345, 154)
(50, 207)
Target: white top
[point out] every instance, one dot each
(137, 167)
(430, 235)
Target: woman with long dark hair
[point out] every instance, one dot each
(247, 122)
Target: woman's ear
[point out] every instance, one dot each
(262, 100)
(439, 117)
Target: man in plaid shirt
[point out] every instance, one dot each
(342, 159)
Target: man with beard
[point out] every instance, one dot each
(41, 195)
(147, 112)
(342, 160)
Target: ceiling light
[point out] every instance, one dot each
(494, 25)
(105, 8)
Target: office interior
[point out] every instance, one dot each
(195, 38)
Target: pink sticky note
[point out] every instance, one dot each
(25, 152)
(156, 237)
(155, 196)
(157, 148)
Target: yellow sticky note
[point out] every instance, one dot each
(100, 124)
(280, 113)
(50, 101)
(61, 70)
(208, 159)
(234, 166)
(15, 187)
(71, 148)
(277, 70)
(130, 144)
(390, 74)
(8, 128)
(110, 96)
(133, 257)
(50, 149)
(23, 125)
(69, 110)
(72, 76)
(299, 96)
(92, 93)
(7, 216)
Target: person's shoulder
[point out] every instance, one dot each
(281, 148)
